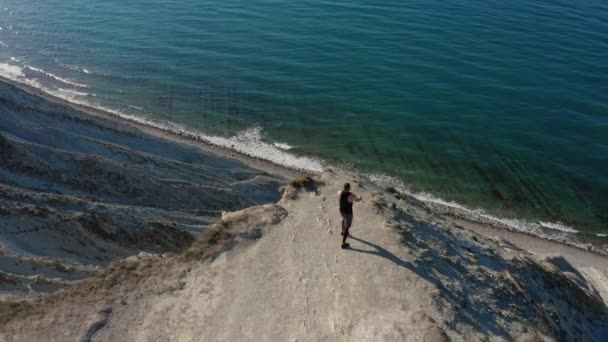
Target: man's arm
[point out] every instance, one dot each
(353, 198)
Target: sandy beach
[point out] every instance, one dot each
(147, 202)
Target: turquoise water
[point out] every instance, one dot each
(500, 105)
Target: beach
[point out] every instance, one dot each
(166, 231)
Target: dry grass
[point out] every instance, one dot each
(10, 310)
(244, 224)
(302, 182)
(214, 238)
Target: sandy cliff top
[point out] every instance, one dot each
(277, 273)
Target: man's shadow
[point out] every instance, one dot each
(420, 271)
(381, 252)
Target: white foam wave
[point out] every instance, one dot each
(57, 78)
(558, 226)
(283, 146)
(12, 72)
(75, 68)
(15, 74)
(601, 235)
(3, 44)
(249, 142)
(135, 107)
(72, 92)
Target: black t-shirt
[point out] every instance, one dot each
(346, 207)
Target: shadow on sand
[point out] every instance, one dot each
(381, 252)
(466, 272)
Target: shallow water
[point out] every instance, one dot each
(494, 105)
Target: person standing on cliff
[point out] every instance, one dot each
(347, 199)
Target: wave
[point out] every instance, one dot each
(556, 232)
(72, 92)
(135, 107)
(11, 72)
(57, 78)
(283, 146)
(74, 68)
(558, 226)
(249, 142)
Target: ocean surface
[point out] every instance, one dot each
(500, 106)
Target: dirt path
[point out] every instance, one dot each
(297, 284)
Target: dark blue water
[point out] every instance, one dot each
(501, 105)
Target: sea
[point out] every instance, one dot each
(496, 107)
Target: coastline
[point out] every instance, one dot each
(538, 246)
(535, 244)
(79, 191)
(258, 163)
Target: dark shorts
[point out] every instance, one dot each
(347, 220)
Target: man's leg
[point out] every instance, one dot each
(348, 220)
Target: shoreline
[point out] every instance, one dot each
(261, 164)
(537, 245)
(484, 228)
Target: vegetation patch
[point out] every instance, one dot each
(246, 224)
(213, 239)
(302, 182)
(10, 310)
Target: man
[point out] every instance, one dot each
(346, 199)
